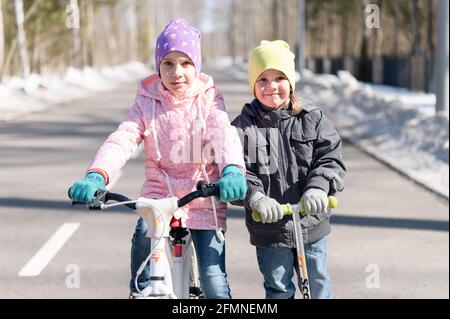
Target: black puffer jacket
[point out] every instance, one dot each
(285, 155)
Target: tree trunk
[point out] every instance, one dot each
(430, 30)
(234, 30)
(415, 25)
(344, 34)
(379, 37)
(397, 24)
(2, 42)
(75, 42)
(249, 30)
(88, 43)
(13, 46)
(109, 36)
(430, 47)
(364, 63)
(441, 62)
(132, 30)
(37, 48)
(21, 39)
(277, 17)
(301, 35)
(417, 81)
(329, 30)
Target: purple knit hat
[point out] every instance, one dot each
(178, 35)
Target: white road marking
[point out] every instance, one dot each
(41, 259)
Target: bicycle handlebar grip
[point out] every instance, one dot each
(332, 203)
(75, 202)
(287, 209)
(208, 189)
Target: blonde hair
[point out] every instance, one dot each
(296, 104)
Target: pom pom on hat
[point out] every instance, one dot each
(271, 55)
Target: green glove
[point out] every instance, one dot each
(232, 184)
(84, 190)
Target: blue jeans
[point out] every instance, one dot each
(210, 255)
(277, 266)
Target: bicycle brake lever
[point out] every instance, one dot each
(98, 200)
(207, 189)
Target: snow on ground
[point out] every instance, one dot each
(424, 102)
(397, 126)
(21, 96)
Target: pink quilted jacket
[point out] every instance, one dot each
(187, 138)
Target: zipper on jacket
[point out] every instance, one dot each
(282, 153)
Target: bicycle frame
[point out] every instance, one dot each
(170, 260)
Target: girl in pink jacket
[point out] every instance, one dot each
(180, 117)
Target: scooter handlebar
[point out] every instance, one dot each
(288, 209)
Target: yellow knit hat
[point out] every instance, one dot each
(271, 55)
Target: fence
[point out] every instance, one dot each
(410, 72)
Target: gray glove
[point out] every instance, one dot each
(269, 209)
(315, 201)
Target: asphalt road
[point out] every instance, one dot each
(390, 237)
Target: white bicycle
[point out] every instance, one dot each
(173, 261)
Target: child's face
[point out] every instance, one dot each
(272, 89)
(177, 72)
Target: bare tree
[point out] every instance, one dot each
(249, 31)
(88, 34)
(132, 30)
(75, 42)
(109, 37)
(441, 61)
(342, 11)
(13, 46)
(301, 35)
(415, 25)
(364, 53)
(2, 42)
(21, 39)
(430, 29)
(236, 30)
(397, 24)
(36, 47)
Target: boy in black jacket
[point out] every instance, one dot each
(292, 153)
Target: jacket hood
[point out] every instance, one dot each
(152, 87)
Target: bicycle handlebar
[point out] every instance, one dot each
(102, 196)
(203, 190)
(289, 209)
